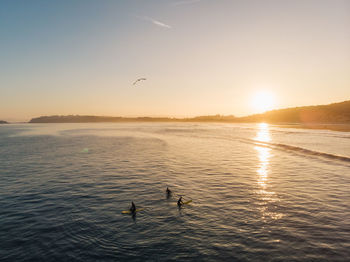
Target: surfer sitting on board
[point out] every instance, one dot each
(180, 202)
(132, 208)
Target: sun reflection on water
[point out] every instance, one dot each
(263, 134)
(264, 154)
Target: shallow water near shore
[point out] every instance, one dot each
(259, 192)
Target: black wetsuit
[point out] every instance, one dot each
(132, 208)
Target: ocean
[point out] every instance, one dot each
(259, 192)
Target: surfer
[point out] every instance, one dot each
(132, 208)
(180, 202)
(168, 192)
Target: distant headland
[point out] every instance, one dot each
(320, 116)
(3, 122)
(336, 113)
(331, 113)
(335, 116)
(95, 119)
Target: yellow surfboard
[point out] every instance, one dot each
(186, 202)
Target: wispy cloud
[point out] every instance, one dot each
(154, 21)
(185, 2)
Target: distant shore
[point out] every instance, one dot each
(107, 119)
(311, 116)
(334, 116)
(344, 127)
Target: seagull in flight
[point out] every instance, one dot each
(140, 79)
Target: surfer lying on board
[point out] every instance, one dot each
(180, 202)
(132, 208)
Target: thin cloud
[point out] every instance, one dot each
(185, 2)
(154, 21)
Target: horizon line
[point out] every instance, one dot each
(179, 117)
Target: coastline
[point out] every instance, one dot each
(343, 127)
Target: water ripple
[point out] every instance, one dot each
(63, 188)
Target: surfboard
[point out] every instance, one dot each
(129, 212)
(186, 202)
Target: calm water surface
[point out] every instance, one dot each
(260, 193)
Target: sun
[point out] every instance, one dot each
(263, 101)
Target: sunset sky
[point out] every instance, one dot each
(200, 57)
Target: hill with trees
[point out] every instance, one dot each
(331, 113)
(336, 113)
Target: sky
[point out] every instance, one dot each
(200, 57)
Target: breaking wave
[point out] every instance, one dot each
(298, 150)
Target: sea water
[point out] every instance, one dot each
(260, 192)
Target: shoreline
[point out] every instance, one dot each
(318, 126)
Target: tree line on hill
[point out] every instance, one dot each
(332, 113)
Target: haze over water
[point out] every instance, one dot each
(259, 192)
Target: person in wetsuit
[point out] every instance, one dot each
(180, 202)
(132, 208)
(168, 191)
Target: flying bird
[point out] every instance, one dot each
(140, 79)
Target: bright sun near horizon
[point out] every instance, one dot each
(194, 57)
(263, 101)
